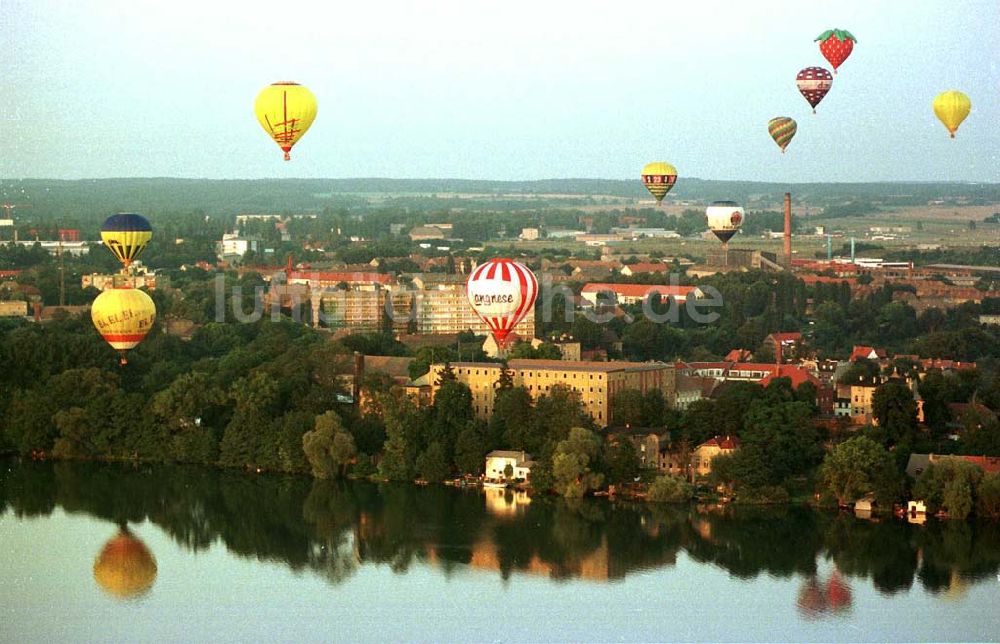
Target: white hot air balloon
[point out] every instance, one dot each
(724, 219)
(502, 292)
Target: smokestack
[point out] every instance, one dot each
(359, 374)
(852, 250)
(788, 229)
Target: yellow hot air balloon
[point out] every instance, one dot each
(125, 568)
(659, 177)
(126, 235)
(123, 317)
(951, 108)
(285, 111)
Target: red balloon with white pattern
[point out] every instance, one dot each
(501, 292)
(813, 84)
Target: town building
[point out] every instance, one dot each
(103, 282)
(426, 233)
(498, 461)
(13, 308)
(442, 306)
(704, 454)
(595, 382)
(636, 293)
(235, 245)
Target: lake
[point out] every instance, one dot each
(97, 552)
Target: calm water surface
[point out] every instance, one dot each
(100, 552)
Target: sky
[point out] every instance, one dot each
(490, 90)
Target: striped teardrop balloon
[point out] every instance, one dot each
(782, 129)
(813, 84)
(123, 317)
(126, 235)
(659, 177)
(501, 292)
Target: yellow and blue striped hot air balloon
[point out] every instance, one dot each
(126, 235)
(123, 317)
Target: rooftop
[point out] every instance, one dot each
(564, 365)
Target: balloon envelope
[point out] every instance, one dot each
(501, 292)
(813, 84)
(951, 108)
(782, 129)
(724, 219)
(836, 45)
(126, 235)
(123, 316)
(659, 177)
(125, 568)
(285, 110)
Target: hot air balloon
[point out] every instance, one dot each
(814, 83)
(123, 317)
(659, 177)
(125, 568)
(501, 292)
(724, 219)
(951, 108)
(782, 129)
(836, 45)
(285, 111)
(126, 235)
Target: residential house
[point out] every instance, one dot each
(786, 345)
(704, 454)
(497, 462)
(868, 353)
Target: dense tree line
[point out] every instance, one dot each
(330, 528)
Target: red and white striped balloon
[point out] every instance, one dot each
(501, 292)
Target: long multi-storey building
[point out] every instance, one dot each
(595, 382)
(440, 309)
(445, 309)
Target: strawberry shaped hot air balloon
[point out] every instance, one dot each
(814, 83)
(836, 45)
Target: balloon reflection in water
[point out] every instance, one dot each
(817, 600)
(125, 568)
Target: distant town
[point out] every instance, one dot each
(843, 349)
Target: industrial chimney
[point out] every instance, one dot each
(788, 229)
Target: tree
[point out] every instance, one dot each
(329, 448)
(895, 410)
(573, 462)
(621, 460)
(654, 408)
(988, 497)
(948, 484)
(857, 468)
(506, 379)
(451, 411)
(670, 489)
(432, 463)
(626, 408)
(402, 431)
(511, 425)
(470, 449)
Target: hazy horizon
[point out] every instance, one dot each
(467, 90)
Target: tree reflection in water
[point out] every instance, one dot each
(333, 527)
